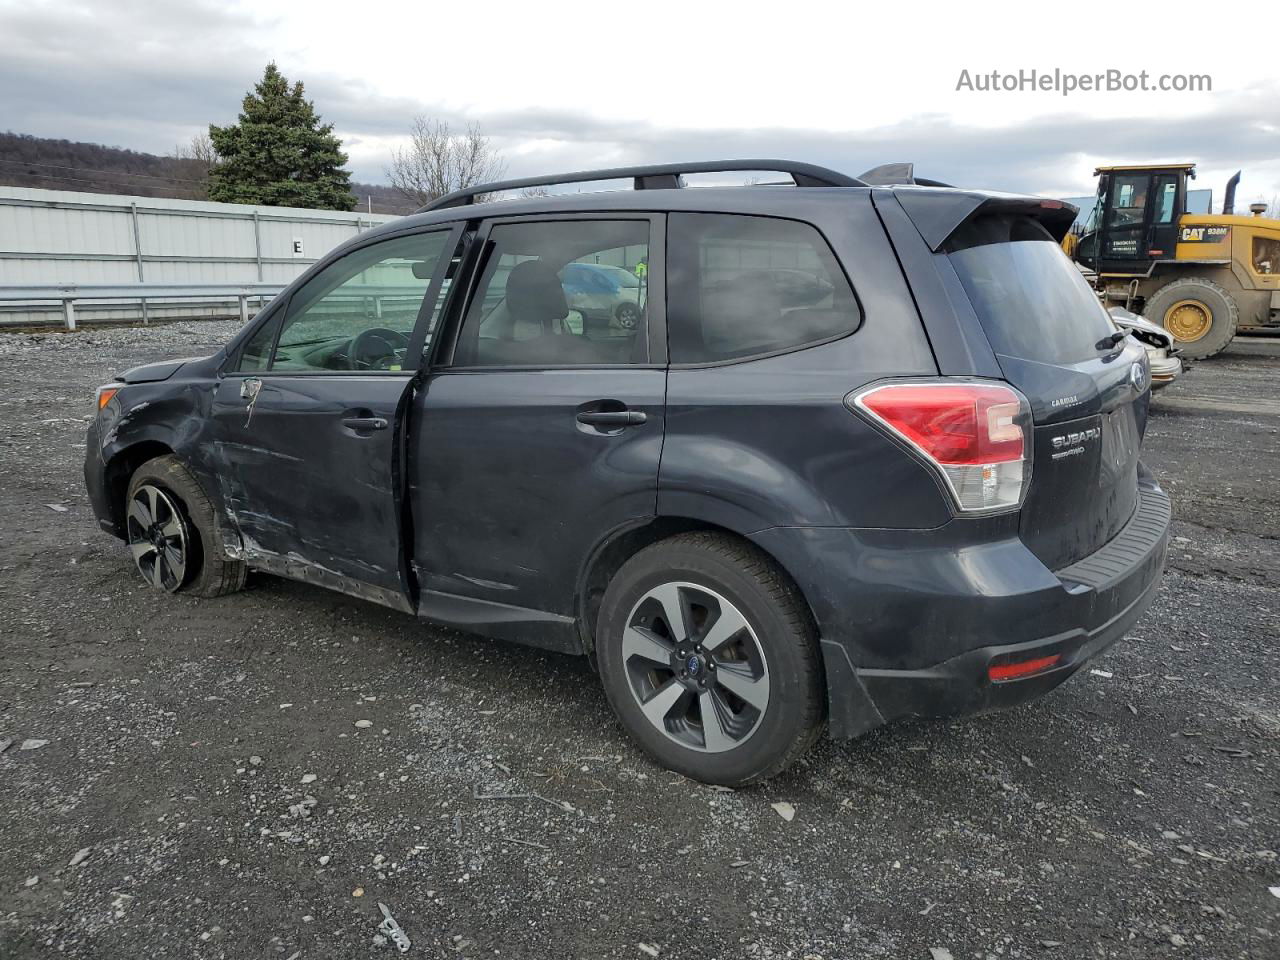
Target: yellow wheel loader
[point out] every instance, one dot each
(1200, 276)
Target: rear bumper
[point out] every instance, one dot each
(982, 606)
(962, 685)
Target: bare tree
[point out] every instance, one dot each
(197, 157)
(438, 161)
(200, 148)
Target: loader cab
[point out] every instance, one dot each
(1135, 219)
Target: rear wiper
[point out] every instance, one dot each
(1109, 341)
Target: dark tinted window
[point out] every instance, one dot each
(563, 293)
(742, 286)
(1032, 301)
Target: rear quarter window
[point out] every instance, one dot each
(744, 286)
(1031, 300)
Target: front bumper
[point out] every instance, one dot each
(95, 481)
(931, 658)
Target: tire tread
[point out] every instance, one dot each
(1185, 288)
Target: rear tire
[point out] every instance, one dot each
(751, 699)
(184, 508)
(1201, 315)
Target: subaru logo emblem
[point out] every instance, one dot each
(693, 665)
(1138, 377)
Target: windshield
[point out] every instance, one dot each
(1031, 300)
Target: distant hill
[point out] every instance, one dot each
(27, 161)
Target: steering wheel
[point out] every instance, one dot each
(375, 348)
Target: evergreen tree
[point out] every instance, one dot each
(279, 154)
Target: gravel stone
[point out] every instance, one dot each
(186, 689)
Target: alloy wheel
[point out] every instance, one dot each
(158, 537)
(695, 667)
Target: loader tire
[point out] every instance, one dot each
(1201, 315)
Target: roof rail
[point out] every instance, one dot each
(660, 176)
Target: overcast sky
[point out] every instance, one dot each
(562, 86)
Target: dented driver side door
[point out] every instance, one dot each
(309, 420)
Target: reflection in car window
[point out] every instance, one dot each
(742, 286)
(357, 314)
(562, 293)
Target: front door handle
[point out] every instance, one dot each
(364, 423)
(612, 418)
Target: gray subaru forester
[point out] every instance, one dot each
(866, 448)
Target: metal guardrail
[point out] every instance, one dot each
(68, 293)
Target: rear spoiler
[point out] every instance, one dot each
(939, 212)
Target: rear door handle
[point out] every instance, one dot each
(364, 423)
(612, 418)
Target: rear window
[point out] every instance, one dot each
(1030, 298)
(743, 286)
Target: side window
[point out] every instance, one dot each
(740, 286)
(357, 314)
(256, 354)
(1129, 198)
(1166, 194)
(1266, 255)
(560, 293)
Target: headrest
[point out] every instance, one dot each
(534, 293)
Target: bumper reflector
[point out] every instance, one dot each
(1024, 668)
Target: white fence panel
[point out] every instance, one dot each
(56, 236)
(195, 237)
(317, 238)
(67, 270)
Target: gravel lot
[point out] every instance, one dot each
(249, 777)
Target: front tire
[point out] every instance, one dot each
(709, 658)
(1201, 315)
(172, 535)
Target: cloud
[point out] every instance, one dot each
(81, 72)
(158, 72)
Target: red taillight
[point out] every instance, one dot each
(975, 434)
(1024, 668)
(960, 424)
